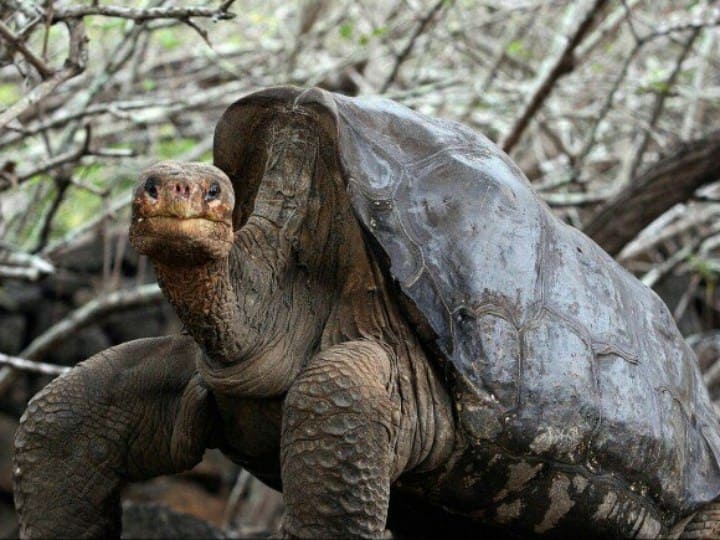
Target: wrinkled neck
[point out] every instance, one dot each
(257, 314)
(205, 301)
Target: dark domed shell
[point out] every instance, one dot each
(569, 358)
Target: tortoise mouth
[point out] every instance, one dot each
(172, 220)
(174, 238)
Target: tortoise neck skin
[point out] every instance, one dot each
(206, 303)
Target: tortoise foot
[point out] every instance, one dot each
(705, 524)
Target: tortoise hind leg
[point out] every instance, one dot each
(704, 524)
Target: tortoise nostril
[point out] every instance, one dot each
(151, 187)
(181, 189)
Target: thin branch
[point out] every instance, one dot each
(16, 43)
(673, 223)
(20, 265)
(500, 56)
(658, 272)
(90, 313)
(694, 109)
(29, 365)
(8, 180)
(400, 58)
(575, 198)
(684, 301)
(74, 65)
(608, 28)
(628, 17)
(63, 117)
(562, 65)
(56, 247)
(659, 105)
(602, 113)
(683, 27)
(200, 31)
(140, 14)
(62, 183)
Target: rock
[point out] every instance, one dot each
(8, 426)
(181, 496)
(8, 520)
(12, 332)
(84, 344)
(142, 520)
(149, 321)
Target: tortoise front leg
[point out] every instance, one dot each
(129, 413)
(704, 524)
(337, 442)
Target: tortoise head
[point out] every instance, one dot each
(182, 213)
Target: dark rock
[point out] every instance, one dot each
(8, 426)
(149, 321)
(84, 344)
(179, 495)
(12, 332)
(8, 519)
(142, 520)
(18, 296)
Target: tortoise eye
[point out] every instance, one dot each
(213, 192)
(151, 186)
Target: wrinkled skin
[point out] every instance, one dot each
(299, 365)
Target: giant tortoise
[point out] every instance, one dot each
(383, 320)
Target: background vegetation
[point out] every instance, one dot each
(611, 108)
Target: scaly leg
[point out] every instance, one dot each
(704, 524)
(338, 437)
(128, 413)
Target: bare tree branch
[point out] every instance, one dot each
(661, 270)
(679, 220)
(74, 65)
(666, 183)
(659, 105)
(91, 312)
(17, 43)
(140, 14)
(19, 265)
(694, 110)
(562, 65)
(29, 365)
(400, 59)
(8, 180)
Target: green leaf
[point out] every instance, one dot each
(516, 49)
(704, 267)
(9, 94)
(168, 38)
(170, 148)
(346, 30)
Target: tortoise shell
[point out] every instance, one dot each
(562, 360)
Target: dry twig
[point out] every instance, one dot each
(562, 65)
